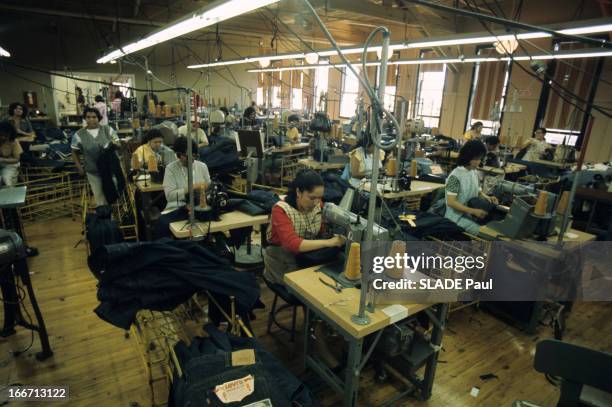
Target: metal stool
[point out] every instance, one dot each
(291, 302)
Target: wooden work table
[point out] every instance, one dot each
(319, 166)
(306, 284)
(229, 221)
(150, 186)
(511, 168)
(289, 148)
(572, 235)
(417, 188)
(551, 163)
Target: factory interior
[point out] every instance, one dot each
(187, 215)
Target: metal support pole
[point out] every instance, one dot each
(189, 157)
(361, 317)
(568, 211)
(403, 107)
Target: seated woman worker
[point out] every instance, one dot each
(296, 226)
(462, 185)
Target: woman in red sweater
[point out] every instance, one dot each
(296, 226)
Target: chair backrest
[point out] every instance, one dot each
(576, 365)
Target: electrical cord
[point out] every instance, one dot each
(543, 81)
(373, 97)
(30, 68)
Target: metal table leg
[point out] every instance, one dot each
(146, 214)
(351, 380)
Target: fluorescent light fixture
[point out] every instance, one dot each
(219, 11)
(586, 53)
(283, 57)
(4, 53)
(591, 29)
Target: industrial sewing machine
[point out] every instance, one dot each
(522, 220)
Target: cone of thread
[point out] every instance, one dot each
(563, 203)
(413, 169)
(167, 110)
(352, 270)
(177, 108)
(397, 247)
(541, 204)
(158, 110)
(152, 163)
(391, 168)
(151, 106)
(136, 123)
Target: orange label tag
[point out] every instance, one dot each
(244, 357)
(235, 390)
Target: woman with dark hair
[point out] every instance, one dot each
(80, 101)
(10, 151)
(360, 164)
(18, 117)
(462, 185)
(116, 103)
(474, 132)
(295, 226)
(101, 106)
(250, 116)
(90, 142)
(152, 146)
(536, 146)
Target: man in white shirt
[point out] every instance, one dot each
(89, 142)
(197, 134)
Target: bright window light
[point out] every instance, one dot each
(275, 99)
(350, 89)
(556, 136)
(296, 99)
(260, 96)
(4, 53)
(220, 11)
(321, 83)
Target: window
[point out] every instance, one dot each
(124, 87)
(260, 96)
(558, 136)
(430, 90)
(350, 89)
(321, 82)
(296, 99)
(276, 96)
(488, 95)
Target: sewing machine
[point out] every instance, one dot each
(521, 221)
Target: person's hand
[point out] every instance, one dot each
(479, 213)
(492, 199)
(337, 241)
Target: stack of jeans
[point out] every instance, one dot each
(207, 363)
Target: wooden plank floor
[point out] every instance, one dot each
(101, 366)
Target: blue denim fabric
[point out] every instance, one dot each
(206, 363)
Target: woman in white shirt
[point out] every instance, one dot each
(360, 164)
(176, 187)
(536, 146)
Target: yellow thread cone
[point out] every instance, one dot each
(151, 106)
(391, 168)
(158, 110)
(563, 203)
(167, 110)
(413, 169)
(541, 204)
(152, 164)
(352, 270)
(178, 109)
(397, 247)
